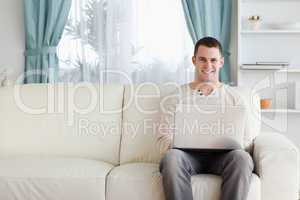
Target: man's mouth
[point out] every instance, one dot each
(207, 72)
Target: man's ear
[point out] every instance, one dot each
(222, 61)
(194, 60)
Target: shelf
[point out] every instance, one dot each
(280, 111)
(294, 70)
(271, 31)
(289, 70)
(267, 1)
(262, 67)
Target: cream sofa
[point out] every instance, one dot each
(91, 142)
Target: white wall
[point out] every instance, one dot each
(12, 42)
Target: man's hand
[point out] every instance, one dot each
(205, 87)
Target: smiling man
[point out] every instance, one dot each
(234, 166)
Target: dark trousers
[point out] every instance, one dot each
(235, 167)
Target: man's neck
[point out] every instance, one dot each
(197, 83)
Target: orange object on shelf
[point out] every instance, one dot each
(265, 103)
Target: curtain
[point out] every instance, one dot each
(126, 41)
(44, 23)
(211, 18)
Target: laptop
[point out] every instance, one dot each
(218, 127)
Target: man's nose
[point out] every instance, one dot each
(208, 64)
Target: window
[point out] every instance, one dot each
(126, 41)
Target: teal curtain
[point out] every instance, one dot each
(211, 18)
(44, 24)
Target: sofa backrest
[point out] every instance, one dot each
(87, 121)
(141, 117)
(253, 122)
(141, 114)
(82, 120)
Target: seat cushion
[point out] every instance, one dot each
(208, 187)
(52, 179)
(137, 181)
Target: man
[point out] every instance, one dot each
(235, 166)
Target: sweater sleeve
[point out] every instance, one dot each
(166, 126)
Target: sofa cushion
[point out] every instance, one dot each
(52, 179)
(82, 120)
(253, 121)
(137, 181)
(140, 120)
(207, 186)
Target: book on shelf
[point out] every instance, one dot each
(273, 63)
(266, 65)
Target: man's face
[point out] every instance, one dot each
(208, 62)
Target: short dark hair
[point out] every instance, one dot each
(208, 42)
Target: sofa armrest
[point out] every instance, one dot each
(277, 164)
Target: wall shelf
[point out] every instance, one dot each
(289, 70)
(268, 1)
(271, 31)
(274, 70)
(282, 111)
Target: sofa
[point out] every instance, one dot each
(94, 142)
